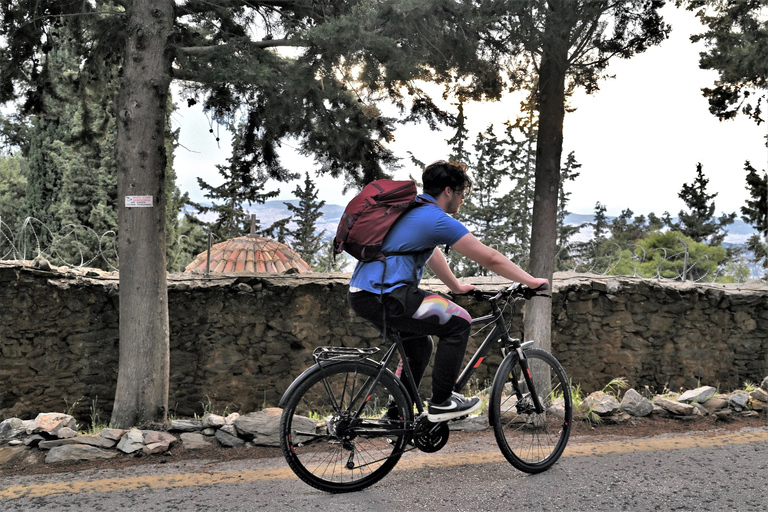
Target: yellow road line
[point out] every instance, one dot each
(435, 461)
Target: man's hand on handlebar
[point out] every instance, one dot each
(538, 284)
(463, 289)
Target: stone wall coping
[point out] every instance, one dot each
(560, 280)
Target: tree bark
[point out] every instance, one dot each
(549, 148)
(142, 383)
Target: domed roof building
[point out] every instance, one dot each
(251, 253)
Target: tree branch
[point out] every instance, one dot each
(266, 43)
(201, 6)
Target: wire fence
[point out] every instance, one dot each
(80, 246)
(679, 264)
(73, 245)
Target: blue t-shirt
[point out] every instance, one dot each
(418, 230)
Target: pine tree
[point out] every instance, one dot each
(736, 50)
(600, 225)
(755, 212)
(244, 182)
(564, 231)
(626, 229)
(486, 210)
(278, 230)
(45, 171)
(460, 137)
(305, 240)
(522, 157)
(330, 262)
(566, 44)
(698, 223)
(503, 220)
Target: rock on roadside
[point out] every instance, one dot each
(77, 452)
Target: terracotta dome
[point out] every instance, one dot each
(250, 254)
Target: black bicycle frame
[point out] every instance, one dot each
(501, 334)
(498, 333)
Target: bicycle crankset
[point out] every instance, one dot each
(430, 437)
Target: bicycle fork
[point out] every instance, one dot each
(526, 371)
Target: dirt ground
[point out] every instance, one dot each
(582, 433)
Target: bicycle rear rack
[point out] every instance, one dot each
(343, 353)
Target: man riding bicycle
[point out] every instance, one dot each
(391, 286)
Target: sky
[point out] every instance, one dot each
(639, 138)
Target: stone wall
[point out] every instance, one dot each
(238, 342)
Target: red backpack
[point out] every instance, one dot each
(369, 216)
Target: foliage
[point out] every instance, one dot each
(637, 246)
(626, 229)
(12, 185)
(674, 256)
(315, 72)
(329, 262)
(735, 37)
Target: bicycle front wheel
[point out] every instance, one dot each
(531, 441)
(332, 433)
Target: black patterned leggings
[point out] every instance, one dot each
(416, 314)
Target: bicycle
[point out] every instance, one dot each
(335, 437)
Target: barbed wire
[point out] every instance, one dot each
(674, 264)
(76, 245)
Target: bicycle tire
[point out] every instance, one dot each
(531, 442)
(341, 438)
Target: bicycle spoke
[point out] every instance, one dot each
(347, 451)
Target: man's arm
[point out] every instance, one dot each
(493, 260)
(439, 266)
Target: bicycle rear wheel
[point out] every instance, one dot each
(531, 442)
(331, 431)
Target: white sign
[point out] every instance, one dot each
(138, 201)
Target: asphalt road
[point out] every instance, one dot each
(682, 472)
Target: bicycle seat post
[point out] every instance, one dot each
(393, 335)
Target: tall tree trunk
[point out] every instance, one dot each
(142, 383)
(549, 148)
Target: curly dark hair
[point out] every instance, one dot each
(441, 174)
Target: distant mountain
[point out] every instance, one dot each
(738, 232)
(272, 211)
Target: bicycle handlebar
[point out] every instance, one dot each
(514, 290)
